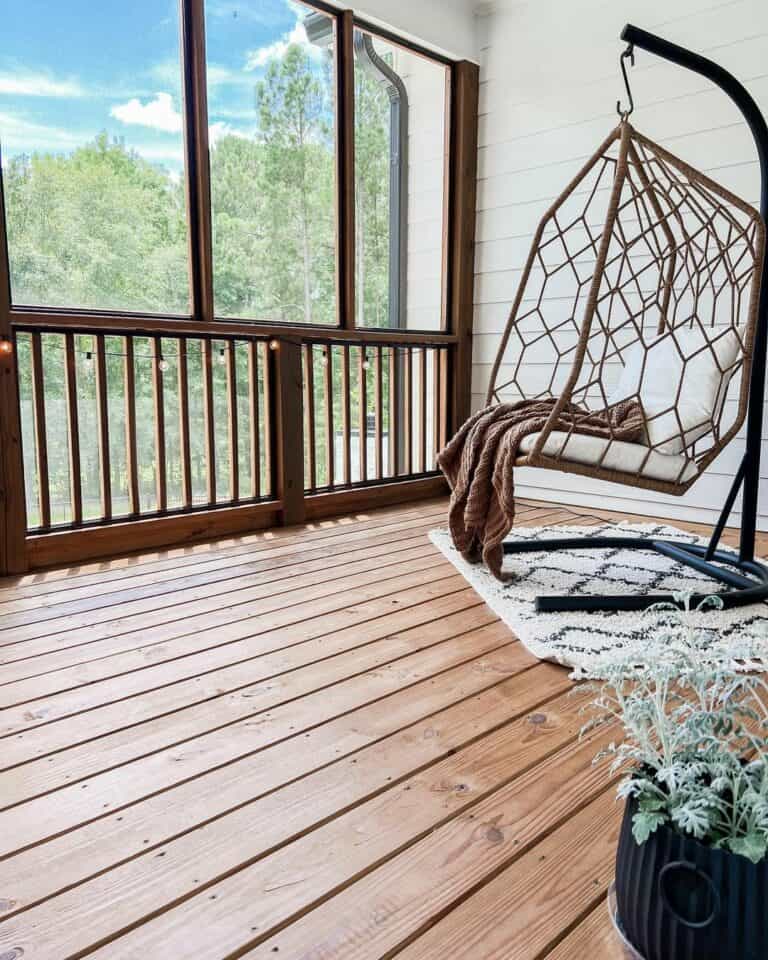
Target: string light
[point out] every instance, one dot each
(366, 361)
(89, 361)
(6, 348)
(324, 357)
(162, 365)
(274, 344)
(221, 358)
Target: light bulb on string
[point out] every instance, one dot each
(162, 364)
(89, 361)
(222, 357)
(324, 357)
(6, 348)
(274, 344)
(366, 361)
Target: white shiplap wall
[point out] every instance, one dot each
(549, 83)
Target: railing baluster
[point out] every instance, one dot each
(209, 421)
(41, 438)
(131, 459)
(408, 411)
(158, 401)
(422, 410)
(443, 434)
(330, 445)
(102, 413)
(309, 415)
(234, 460)
(362, 372)
(267, 439)
(394, 424)
(436, 388)
(184, 444)
(346, 431)
(378, 414)
(253, 416)
(73, 427)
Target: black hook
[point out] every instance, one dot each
(630, 53)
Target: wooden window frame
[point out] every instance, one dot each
(458, 250)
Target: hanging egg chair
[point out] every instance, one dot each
(643, 283)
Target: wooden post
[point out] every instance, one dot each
(13, 507)
(345, 153)
(463, 197)
(289, 431)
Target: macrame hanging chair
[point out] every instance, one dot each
(642, 282)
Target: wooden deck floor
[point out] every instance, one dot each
(296, 744)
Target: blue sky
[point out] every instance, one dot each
(69, 70)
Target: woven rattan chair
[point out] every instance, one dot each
(642, 282)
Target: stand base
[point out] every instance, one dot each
(747, 579)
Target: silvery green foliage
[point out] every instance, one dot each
(694, 709)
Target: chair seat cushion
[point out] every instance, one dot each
(628, 457)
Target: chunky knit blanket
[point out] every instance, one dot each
(479, 465)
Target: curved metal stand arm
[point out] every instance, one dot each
(756, 122)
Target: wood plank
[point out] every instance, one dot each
(210, 745)
(158, 403)
(184, 441)
(84, 322)
(77, 546)
(102, 416)
(405, 812)
(129, 399)
(148, 678)
(73, 429)
(519, 913)
(42, 776)
(594, 937)
(41, 439)
(122, 566)
(394, 903)
(333, 767)
(186, 615)
(51, 591)
(43, 730)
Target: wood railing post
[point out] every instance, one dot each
(289, 430)
(13, 507)
(463, 188)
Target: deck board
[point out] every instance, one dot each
(304, 743)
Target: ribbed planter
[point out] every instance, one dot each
(680, 900)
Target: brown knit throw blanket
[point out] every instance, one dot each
(479, 464)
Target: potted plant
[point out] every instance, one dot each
(692, 859)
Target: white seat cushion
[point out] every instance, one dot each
(656, 373)
(627, 457)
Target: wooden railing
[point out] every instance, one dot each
(373, 412)
(118, 426)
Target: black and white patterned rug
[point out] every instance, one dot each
(579, 639)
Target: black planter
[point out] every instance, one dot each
(680, 900)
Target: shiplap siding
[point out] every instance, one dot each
(549, 83)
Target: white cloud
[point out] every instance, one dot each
(159, 114)
(38, 85)
(261, 57)
(21, 135)
(221, 129)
